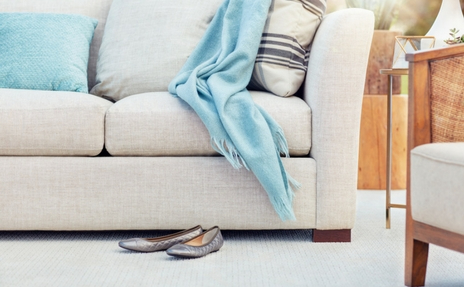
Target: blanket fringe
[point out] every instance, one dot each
(280, 143)
(286, 210)
(229, 152)
(282, 205)
(283, 208)
(293, 182)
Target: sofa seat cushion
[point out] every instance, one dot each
(51, 123)
(158, 124)
(437, 190)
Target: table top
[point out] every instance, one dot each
(394, 72)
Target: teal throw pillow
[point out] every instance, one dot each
(45, 51)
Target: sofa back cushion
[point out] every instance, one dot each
(91, 8)
(147, 42)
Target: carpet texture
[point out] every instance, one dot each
(248, 258)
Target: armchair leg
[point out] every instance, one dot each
(341, 235)
(416, 263)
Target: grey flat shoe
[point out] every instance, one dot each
(160, 243)
(205, 243)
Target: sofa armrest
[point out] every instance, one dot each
(334, 90)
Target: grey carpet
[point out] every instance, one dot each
(248, 258)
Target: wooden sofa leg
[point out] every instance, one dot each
(340, 235)
(416, 268)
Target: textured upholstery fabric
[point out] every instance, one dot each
(43, 51)
(437, 185)
(335, 103)
(108, 193)
(51, 123)
(147, 42)
(281, 62)
(158, 124)
(91, 8)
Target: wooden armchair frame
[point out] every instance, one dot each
(420, 235)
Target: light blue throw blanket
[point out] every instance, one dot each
(213, 82)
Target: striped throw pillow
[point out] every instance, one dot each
(281, 63)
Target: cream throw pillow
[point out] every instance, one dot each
(281, 62)
(146, 42)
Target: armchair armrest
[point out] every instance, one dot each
(334, 89)
(435, 114)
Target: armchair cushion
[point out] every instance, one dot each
(437, 187)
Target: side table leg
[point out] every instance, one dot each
(389, 149)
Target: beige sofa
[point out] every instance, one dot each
(161, 172)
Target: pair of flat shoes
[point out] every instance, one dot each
(189, 243)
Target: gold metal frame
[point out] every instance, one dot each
(415, 42)
(388, 204)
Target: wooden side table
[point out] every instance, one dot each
(391, 73)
